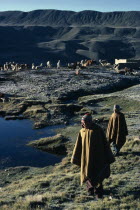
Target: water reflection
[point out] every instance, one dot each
(14, 134)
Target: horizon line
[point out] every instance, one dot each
(70, 10)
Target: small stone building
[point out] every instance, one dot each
(129, 63)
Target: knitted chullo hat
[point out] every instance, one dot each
(87, 117)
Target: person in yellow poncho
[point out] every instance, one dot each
(117, 129)
(93, 154)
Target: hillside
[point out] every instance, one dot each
(42, 35)
(53, 96)
(69, 18)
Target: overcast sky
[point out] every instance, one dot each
(74, 5)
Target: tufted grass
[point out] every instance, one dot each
(59, 187)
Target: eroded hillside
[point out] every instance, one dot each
(42, 35)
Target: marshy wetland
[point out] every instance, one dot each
(60, 97)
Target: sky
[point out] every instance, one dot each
(74, 5)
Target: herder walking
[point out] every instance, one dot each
(117, 129)
(93, 154)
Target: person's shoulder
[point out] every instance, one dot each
(96, 127)
(122, 115)
(82, 130)
(112, 115)
(116, 114)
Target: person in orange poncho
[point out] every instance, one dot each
(93, 154)
(117, 129)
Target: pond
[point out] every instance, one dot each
(14, 135)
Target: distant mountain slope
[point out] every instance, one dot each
(42, 35)
(70, 18)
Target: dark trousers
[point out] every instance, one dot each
(95, 189)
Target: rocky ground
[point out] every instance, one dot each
(49, 96)
(50, 85)
(61, 97)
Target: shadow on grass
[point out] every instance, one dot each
(135, 193)
(128, 153)
(108, 192)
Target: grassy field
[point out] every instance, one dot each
(59, 187)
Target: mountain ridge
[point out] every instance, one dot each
(70, 18)
(41, 35)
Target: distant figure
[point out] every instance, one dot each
(5, 67)
(33, 66)
(13, 67)
(128, 71)
(16, 66)
(77, 71)
(93, 154)
(58, 64)
(48, 64)
(117, 129)
(82, 62)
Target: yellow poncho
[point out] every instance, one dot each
(92, 153)
(117, 129)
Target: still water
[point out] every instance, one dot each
(14, 135)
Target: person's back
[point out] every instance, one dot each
(92, 153)
(117, 128)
